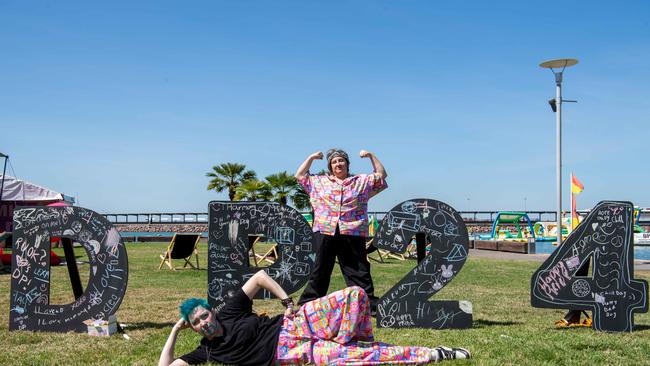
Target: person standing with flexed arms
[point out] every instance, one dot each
(340, 203)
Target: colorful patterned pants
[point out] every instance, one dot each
(337, 330)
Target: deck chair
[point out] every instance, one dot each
(372, 249)
(182, 246)
(271, 254)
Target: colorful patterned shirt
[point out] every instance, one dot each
(344, 203)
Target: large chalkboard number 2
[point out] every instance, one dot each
(405, 304)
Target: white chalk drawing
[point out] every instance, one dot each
(457, 253)
(409, 206)
(610, 292)
(284, 235)
(406, 303)
(30, 303)
(232, 225)
(581, 288)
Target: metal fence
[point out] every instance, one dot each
(478, 217)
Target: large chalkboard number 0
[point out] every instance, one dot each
(406, 304)
(30, 276)
(231, 226)
(605, 238)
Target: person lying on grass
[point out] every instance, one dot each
(334, 329)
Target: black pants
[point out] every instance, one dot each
(351, 253)
(574, 315)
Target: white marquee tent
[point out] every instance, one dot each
(15, 189)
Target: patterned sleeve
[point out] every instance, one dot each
(375, 184)
(309, 183)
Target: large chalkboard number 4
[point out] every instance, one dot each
(610, 292)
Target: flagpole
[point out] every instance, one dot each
(574, 213)
(572, 199)
(4, 170)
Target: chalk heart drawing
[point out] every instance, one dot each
(107, 281)
(611, 293)
(233, 224)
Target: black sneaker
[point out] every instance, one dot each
(445, 353)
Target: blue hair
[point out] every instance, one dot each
(188, 306)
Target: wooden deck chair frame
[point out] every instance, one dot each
(265, 257)
(378, 251)
(166, 258)
(253, 239)
(384, 254)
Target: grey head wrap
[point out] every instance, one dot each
(335, 153)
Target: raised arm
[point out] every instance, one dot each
(303, 169)
(167, 354)
(377, 166)
(261, 280)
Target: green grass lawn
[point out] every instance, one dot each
(506, 331)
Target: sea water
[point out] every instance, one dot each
(546, 247)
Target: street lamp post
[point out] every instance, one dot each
(557, 108)
(525, 204)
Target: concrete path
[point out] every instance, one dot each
(639, 265)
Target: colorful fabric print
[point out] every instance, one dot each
(337, 330)
(342, 203)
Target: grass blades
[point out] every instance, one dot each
(506, 331)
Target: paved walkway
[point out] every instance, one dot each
(639, 265)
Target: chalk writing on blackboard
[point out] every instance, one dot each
(604, 237)
(231, 224)
(30, 307)
(406, 303)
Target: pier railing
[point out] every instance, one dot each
(474, 217)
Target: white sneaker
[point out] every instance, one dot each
(445, 353)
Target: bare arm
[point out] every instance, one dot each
(377, 166)
(167, 354)
(261, 280)
(303, 169)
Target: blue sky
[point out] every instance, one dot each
(127, 105)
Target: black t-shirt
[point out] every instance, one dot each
(248, 339)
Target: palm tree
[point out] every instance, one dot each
(282, 186)
(300, 197)
(229, 176)
(253, 190)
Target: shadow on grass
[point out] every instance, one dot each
(148, 325)
(483, 323)
(643, 327)
(637, 328)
